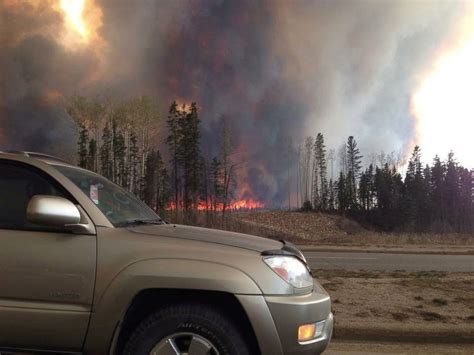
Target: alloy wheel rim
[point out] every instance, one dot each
(184, 344)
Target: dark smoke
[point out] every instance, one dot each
(35, 72)
(274, 70)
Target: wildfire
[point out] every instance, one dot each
(49, 98)
(442, 104)
(244, 204)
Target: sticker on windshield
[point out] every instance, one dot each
(94, 194)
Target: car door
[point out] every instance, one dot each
(47, 276)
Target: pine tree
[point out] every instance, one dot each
(163, 193)
(438, 173)
(387, 189)
(156, 188)
(320, 159)
(364, 190)
(205, 185)
(91, 155)
(354, 165)
(227, 165)
(342, 193)
(307, 178)
(465, 206)
(217, 188)
(194, 154)
(174, 141)
(82, 145)
(190, 155)
(414, 192)
(451, 190)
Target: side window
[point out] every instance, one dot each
(18, 184)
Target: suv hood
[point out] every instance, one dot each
(215, 236)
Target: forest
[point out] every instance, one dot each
(119, 139)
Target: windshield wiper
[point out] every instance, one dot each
(135, 222)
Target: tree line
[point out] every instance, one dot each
(120, 139)
(428, 198)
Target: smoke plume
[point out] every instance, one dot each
(276, 71)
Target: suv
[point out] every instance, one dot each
(86, 267)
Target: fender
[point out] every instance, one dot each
(158, 274)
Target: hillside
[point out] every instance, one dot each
(321, 228)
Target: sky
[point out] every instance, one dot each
(394, 74)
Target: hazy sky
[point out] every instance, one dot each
(277, 70)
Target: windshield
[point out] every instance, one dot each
(119, 206)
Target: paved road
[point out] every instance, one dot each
(390, 262)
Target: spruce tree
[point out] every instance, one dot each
(342, 193)
(193, 152)
(217, 188)
(174, 142)
(320, 159)
(451, 190)
(82, 145)
(354, 165)
(414, 192)
(91, 155)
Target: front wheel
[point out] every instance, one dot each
(191, 329)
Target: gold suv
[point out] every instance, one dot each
(86, 267)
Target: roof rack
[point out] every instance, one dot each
(40, 156)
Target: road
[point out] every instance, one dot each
(389, 262)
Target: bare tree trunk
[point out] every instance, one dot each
(298, 177)
(289, 181)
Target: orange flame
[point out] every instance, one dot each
(49, 98)
(239, 205)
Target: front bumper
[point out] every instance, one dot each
(290, 312)
(275, 320)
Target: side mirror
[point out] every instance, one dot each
(52, 211)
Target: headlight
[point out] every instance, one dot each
(290, 269)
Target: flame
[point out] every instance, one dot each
(49, 98)
(244, 204)
(442, 104)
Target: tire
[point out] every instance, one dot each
(202, 322)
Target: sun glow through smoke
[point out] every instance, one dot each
(443, 104)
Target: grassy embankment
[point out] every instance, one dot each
(316, 229)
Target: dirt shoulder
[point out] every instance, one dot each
(365, 347)
(401, 306)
